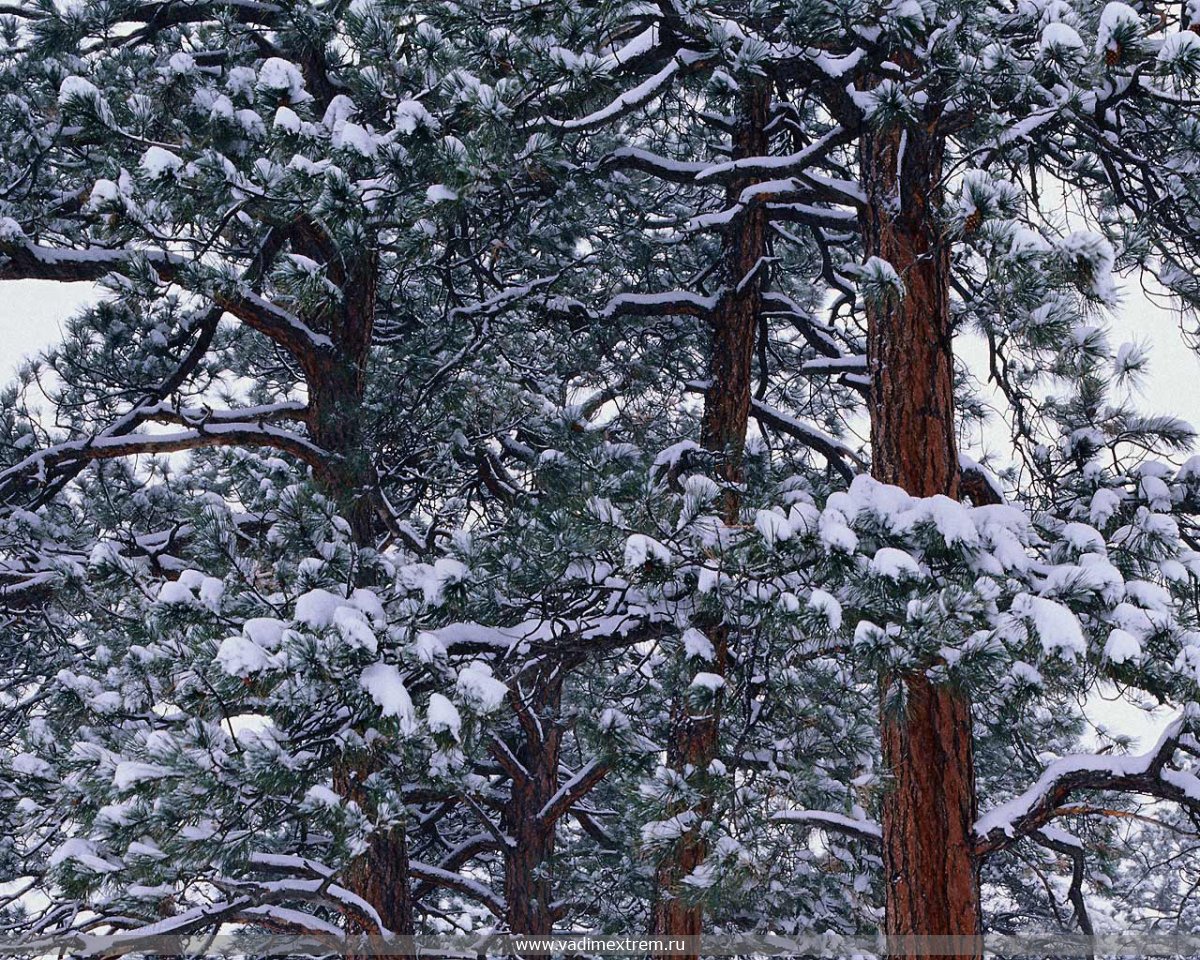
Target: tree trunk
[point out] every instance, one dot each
(929, 809)
(528, 884)
(380, 876)
(695, 735)
(336, 398)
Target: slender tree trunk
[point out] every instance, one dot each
(695, 735)
(929, 809)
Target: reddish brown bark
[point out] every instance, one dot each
(336, 397)
(381, 875)
(695, 732)
(932, 877)
(909, 345)
(528, 882)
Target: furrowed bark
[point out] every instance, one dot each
(932, 877)
(695, 735)
(381, 875)
(528, 883)
(336, 402)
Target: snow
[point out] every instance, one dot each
(681, 301)
(443, 716)
(1057, 627)
(479, 689)
(836, 821)
(181, 63)
(835, 534)
(210, 592)
(322, 796)
(1090, 256)
(411, 114)
(895, 565)
(1082, 537)
(287, 119)
(242, 657)
(221, 108)
(1122, 647)
(428, 648)
(382, 681)
(1005, 816)
(30, 766)
(267, 632)
(317, 608)
(1058, 37)
(773, 526)
(146, 849)
(129, 773)
(1149, 596)
(351, 136)
(1104, 506)
(1189, 783)
(696, 644)
(1117, 18)
(1094, 574)
(282, 77)
(369, 603)
(641, 94)
(446, 571)
(641, 549)
(439, 193)
(77, 87)
(158, 162)
(85, 853)
(352, 625)
(670, 457)
(175, 591)
(711, 682)
(828, 605)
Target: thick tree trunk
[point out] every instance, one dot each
(695, 736)
(380, 876)
(528, 883)
(336, 398)
(929, 808)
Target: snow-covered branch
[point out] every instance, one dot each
(644, 161)
(1147, 774)
(573, 790)
(649, 89)
(836, 822)
(206, 416)
(436, 876)
(832, 449)
(669, 303)
(785, 166)
(223, 433)
(24, 260)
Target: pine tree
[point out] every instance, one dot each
(448, 518)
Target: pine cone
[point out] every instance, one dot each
(1112, 56)
(973, 222)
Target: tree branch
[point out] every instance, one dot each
(1146, 774)
(839, 823)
